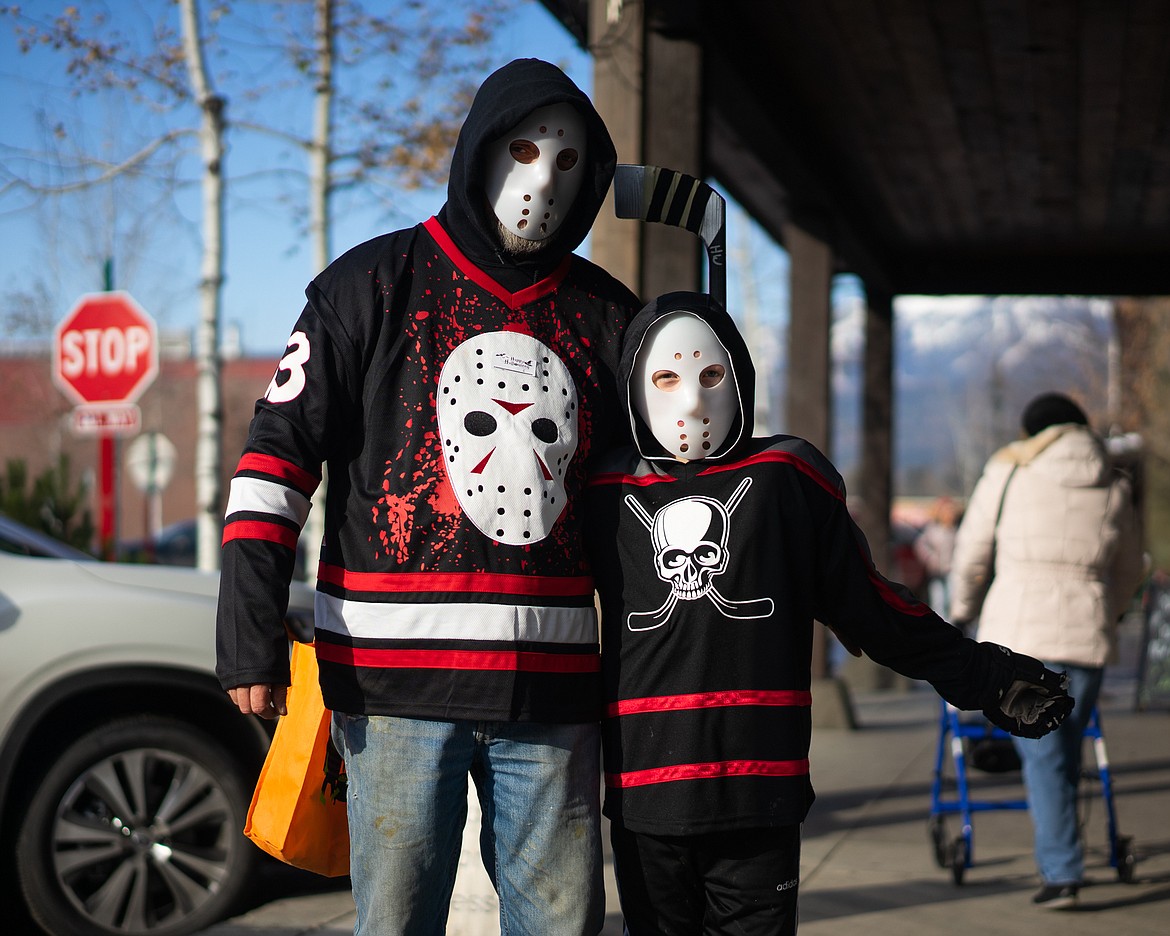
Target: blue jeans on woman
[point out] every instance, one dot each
(1052, 769)
(540, 841)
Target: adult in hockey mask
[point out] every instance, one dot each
(534, 173)
(428, 552)
(686, 382)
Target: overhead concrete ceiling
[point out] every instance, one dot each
(944, 146)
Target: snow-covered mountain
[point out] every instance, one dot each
(965, 367)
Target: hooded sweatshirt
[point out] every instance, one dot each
(1064, 543)
(456, 394)
(711, 574)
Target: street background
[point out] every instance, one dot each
(868, 864)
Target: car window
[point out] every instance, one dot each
(20, 540)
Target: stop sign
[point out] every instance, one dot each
(105, 350)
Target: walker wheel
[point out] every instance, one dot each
(960, 853)
(1126, 860)
(938, 839)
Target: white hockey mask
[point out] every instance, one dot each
(534, 171)
(683, 386)
(507, 411)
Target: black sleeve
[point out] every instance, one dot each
(882, 617)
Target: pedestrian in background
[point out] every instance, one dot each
(935, 548)
(1047, 557)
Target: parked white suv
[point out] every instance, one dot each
(125, 772)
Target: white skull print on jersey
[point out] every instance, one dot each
(507, 409)
(689, 536)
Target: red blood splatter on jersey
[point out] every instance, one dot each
(442, 498)
(396, 537)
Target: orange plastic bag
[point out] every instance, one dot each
(298, 809)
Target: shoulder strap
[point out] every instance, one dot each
(998, 514)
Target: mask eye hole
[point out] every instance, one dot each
(524, 151)
(479, 423)
(712, 376)
(666, 380)
(545, 430)
(567, 159)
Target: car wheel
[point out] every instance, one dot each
(136, 829)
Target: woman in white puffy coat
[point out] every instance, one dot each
(1052, 525)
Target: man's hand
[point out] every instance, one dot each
(267, 701)
(1029, 699)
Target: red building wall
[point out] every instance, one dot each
(35, 425)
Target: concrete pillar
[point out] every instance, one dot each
(615, 43)
(809, 411)
(810, 415)
(673, 124)
(876, 489)
(647, 86)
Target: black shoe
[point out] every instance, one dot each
(1057, 896)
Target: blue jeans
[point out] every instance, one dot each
(540, 840)
(1052, 770)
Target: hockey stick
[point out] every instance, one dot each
(650, 193)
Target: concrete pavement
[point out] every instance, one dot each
(868, 865)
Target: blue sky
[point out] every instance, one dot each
(268, 263)
(61, 243)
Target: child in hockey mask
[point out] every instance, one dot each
(714, 555)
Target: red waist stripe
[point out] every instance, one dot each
(551, 586)
(713, 770)
(504, 660)
(696, 700)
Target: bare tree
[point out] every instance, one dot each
(208, 450)
(412, 74)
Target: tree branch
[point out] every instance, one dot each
(109, 172)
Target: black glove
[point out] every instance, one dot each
(1025, 698)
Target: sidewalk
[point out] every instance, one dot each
(868, 863)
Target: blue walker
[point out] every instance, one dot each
(958, 853)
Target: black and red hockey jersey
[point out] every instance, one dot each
(456, 396)
(711, 574)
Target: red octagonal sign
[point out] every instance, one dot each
(105, 350)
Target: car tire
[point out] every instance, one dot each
(136, 828)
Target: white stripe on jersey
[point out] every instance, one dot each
(455, 621)
(267, 497)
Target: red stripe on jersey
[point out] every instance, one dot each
(710, 771)
(480, 278)
(894, 600)
(784, 457)
(889, 596)
(617, 477)
(506, 660)
(302, 480)
(699, 700)
(540, 586)
(260, 530)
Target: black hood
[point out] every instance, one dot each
(743, 372)
(506, 97)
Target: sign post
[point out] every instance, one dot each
(105, 354)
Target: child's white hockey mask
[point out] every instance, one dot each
(507, 411)
(683, 386)
(534, 171)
